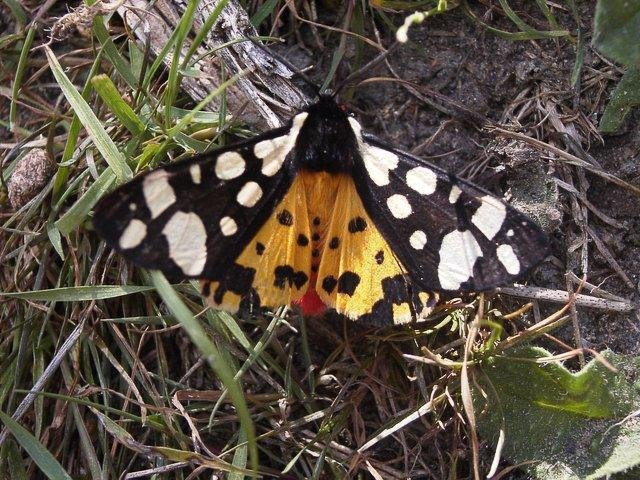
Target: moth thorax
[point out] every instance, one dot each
(327, 142)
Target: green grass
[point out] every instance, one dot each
(111, 369)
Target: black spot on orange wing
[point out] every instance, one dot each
(285, 274)
(396, 290)
(303, 241)
(348, 282)
(285, 218)
(329, 283)
(315, 253)
(259, 248)
(334, 243)
(357, 224)
(315, 237)
(379, 257)
(237, 279)
(316, 221)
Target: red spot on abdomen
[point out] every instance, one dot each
(310, 303)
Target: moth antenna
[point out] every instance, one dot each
(364, 69)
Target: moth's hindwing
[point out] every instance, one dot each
(359, 274)
(320, 238)
(193, 218)
(273, 268)
(449, 234)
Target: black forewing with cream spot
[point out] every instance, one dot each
(193, 218)
(449, 234)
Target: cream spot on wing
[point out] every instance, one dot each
(458, 253)
(133, 234)
(196, 176)
(402, 313)
(158, 194)
(508, 258)
(510, 232)
(418, 239)
(249, 194)
(133, 207)
(428, 301)
(356, 127)
(378, 163)
(228, 226)
(399, 206)
(187, 239)
(273, 152)
(229, 165)
(489, 216)
(454, 194)
(230, 302)
(423, 180)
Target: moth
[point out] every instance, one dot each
(320, 214)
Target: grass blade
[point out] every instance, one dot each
(17, 82)
(94, 127)
(174, 79)
(40, 455)
(17, 11)
(79, 210)
(121, 109)
(263, 12)
(121, 65)
(78, 294)
(210, 351)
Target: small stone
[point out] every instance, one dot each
(30, 176)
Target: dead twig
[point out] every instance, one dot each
(561, 296)
(604, 251)
(595, 290)
(580, 196)
(153, 22)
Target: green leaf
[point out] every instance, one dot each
(616, 27)
(78, 294)
(40, 455)
(263, 12)
(570, 425)
(625, 96)
(110, 95)
(17, 79)
(94, 127)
